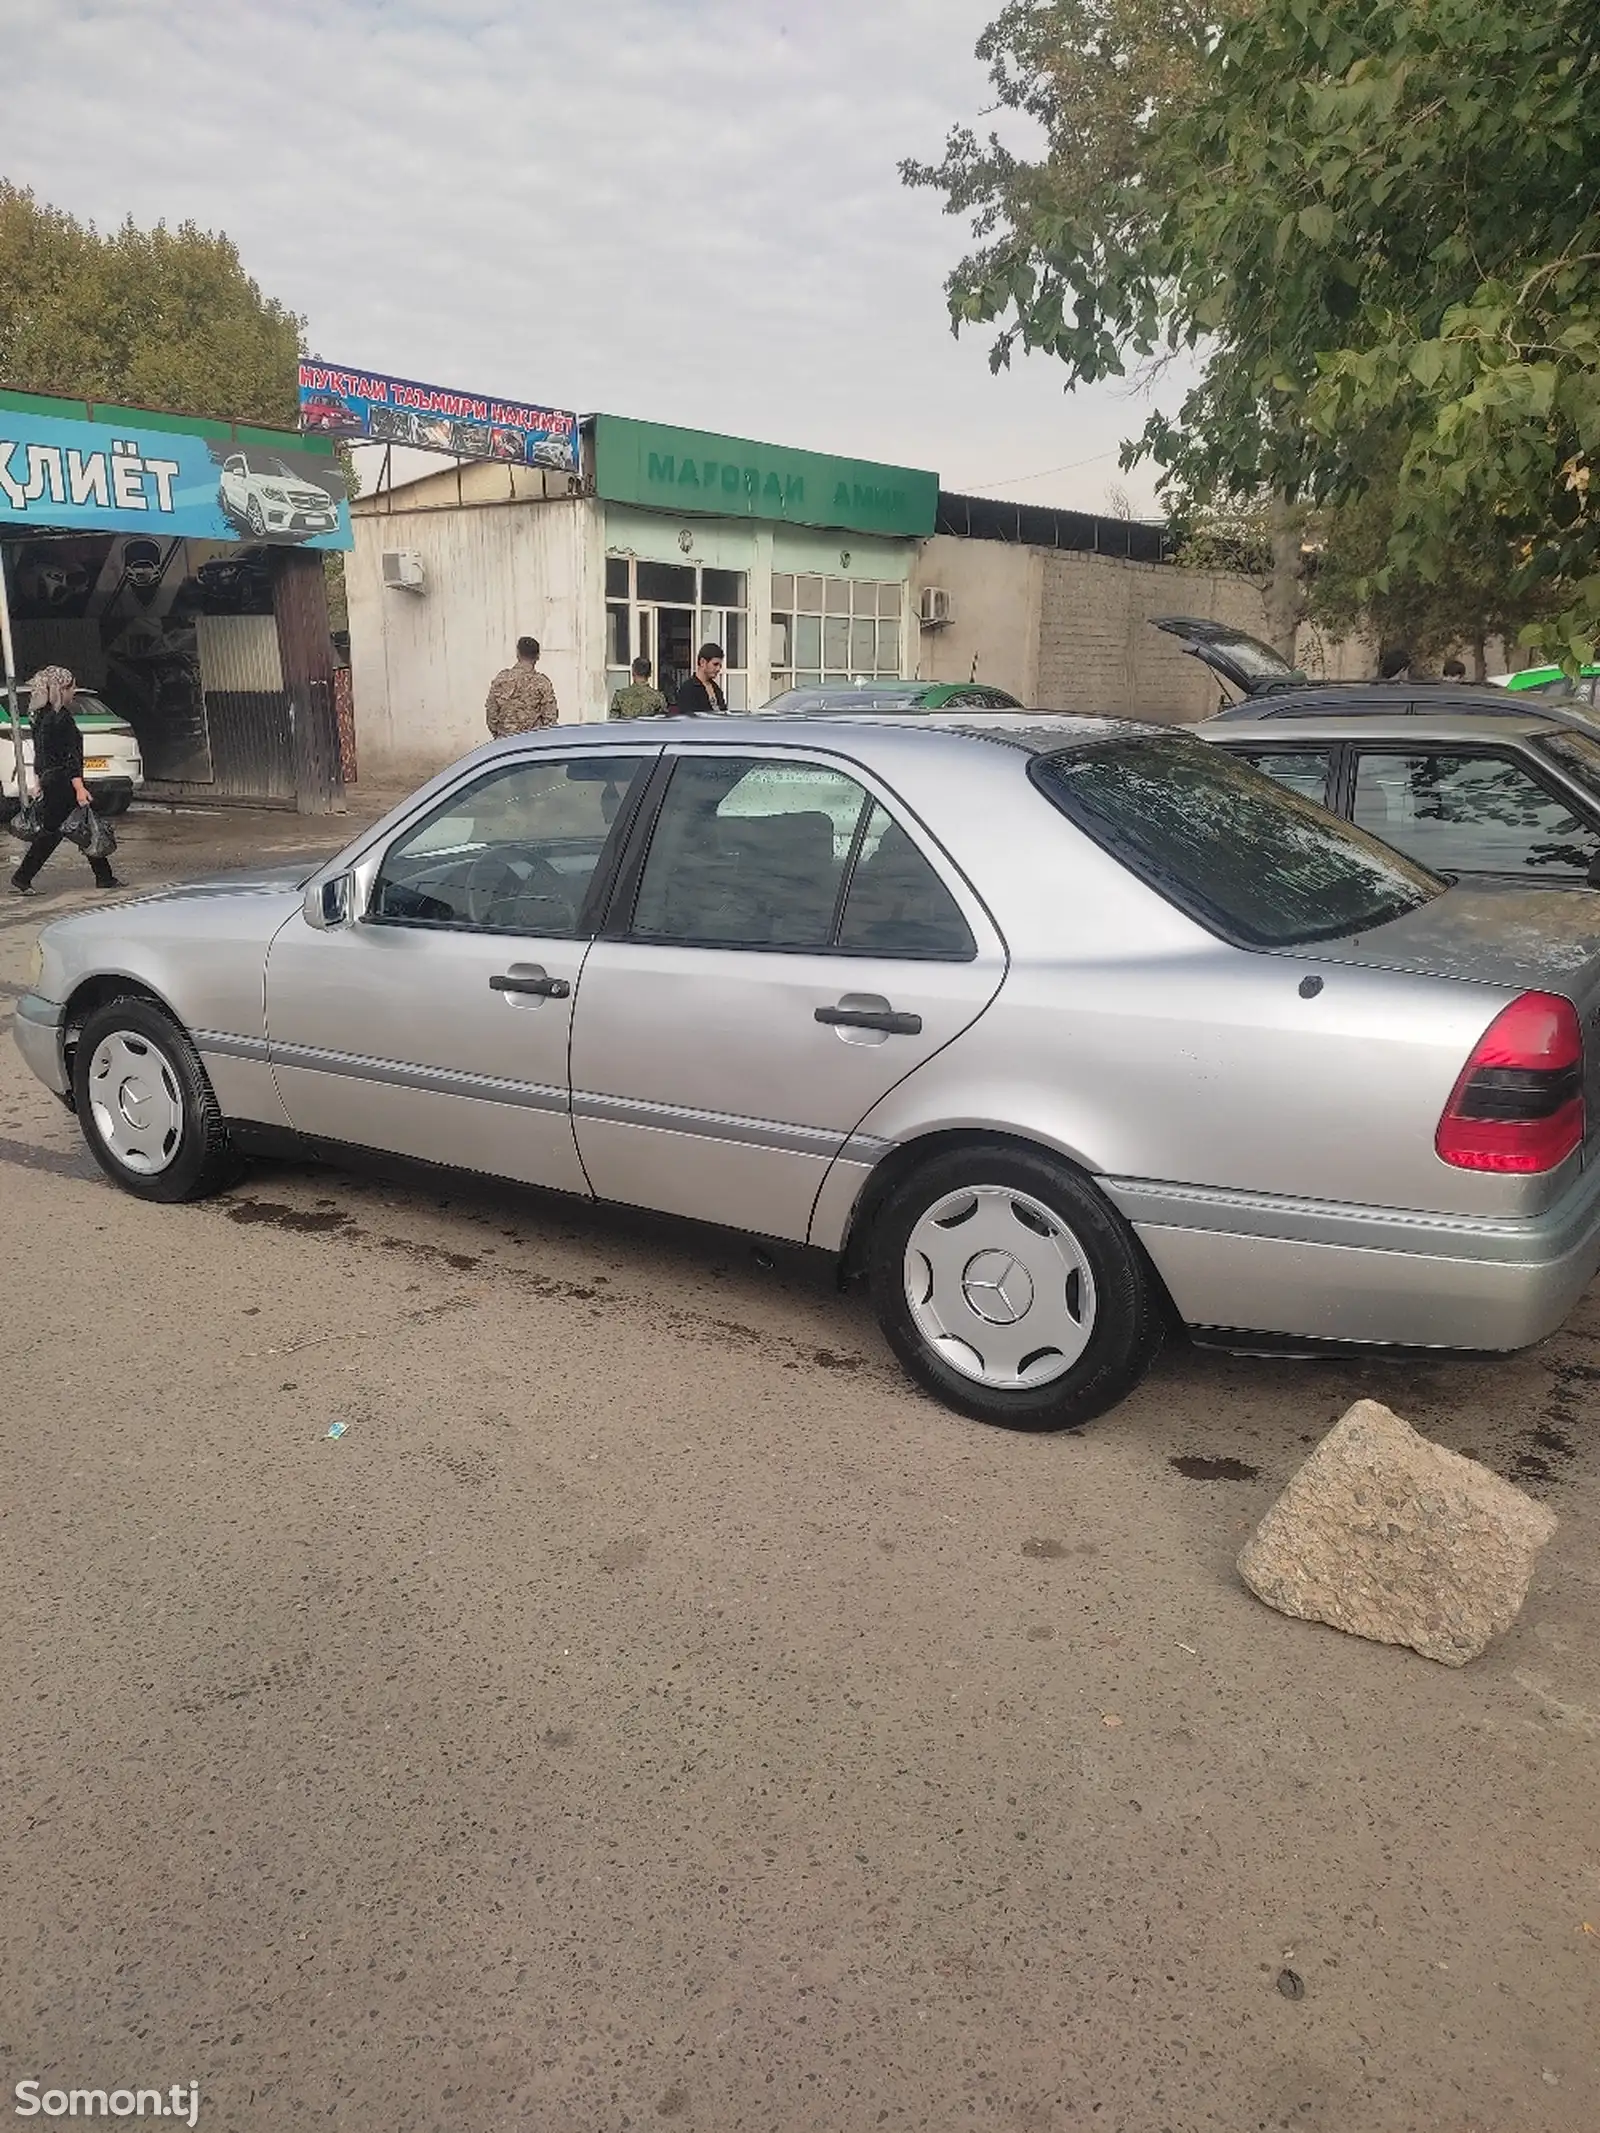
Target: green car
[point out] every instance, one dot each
(838, 699)
(1550, 681)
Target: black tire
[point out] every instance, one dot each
(1119, 1307)
(202, 1160)
(115, 803)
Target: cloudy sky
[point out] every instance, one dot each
(681, 209)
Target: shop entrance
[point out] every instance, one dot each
(664, 612)
(666, 635)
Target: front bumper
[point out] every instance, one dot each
(39, 1027)
(1261, 1263)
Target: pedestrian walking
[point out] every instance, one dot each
(701, 695)
(638, 699)
(521, 699)
(57, 775)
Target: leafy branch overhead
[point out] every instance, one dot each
(153, 318)
(1375, 222)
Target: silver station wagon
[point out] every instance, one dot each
(1055, 1033)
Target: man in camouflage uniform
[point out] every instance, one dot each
(638, 699)
(521, 699)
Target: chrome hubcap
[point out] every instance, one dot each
(999, 1287)
(137, 1105)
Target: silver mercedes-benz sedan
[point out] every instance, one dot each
(1056, 1033)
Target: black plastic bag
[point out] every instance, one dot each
(93, 836)
(25, 822)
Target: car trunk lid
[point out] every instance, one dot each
(1524, 940)
(1243, 661)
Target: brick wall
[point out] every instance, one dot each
(1071, 632)
(1098, 651)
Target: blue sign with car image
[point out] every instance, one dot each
(114, 477)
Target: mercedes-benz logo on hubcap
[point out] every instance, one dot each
(998, 1287)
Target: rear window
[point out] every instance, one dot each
(1247, 859)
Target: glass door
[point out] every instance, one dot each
(664, 612)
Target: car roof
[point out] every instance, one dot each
(879, 735)
(1362, 696)
(1448, 725)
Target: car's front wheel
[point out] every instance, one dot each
(1011, 1289)
(146, 1107)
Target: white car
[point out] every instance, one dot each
(262, 492)
(113, 768)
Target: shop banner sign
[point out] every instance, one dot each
(114, 477)
(431, 418)
(691, 470)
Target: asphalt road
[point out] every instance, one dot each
(650, 1709)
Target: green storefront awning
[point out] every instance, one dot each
(666, 469)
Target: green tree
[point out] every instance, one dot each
(156, 318)
(1377, 223)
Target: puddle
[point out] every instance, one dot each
(301, 1221)
(1195, 1468)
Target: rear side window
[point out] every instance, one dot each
(1302, 770)
(1245, 857)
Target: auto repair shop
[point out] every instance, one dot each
(175, 566)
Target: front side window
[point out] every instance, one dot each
(762, 853)
(1470, 814)
(515, 853)
(1243, 856)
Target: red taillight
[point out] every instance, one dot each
(1519, 1102)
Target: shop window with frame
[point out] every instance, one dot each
(833, 630)
(664, 612)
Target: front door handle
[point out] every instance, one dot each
(535, 982)
(883, 1018)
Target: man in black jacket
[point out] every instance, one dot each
(701, 695)
(57, 774)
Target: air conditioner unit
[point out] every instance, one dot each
(933, 609)
(403, 569)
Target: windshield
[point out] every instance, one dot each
(1248, 859)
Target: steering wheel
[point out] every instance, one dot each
(495, 893)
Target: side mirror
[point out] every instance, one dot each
(330, 904)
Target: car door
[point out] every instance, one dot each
(1473, 812)
(438, 1024)
(785, 947)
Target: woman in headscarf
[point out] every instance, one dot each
(57, 774)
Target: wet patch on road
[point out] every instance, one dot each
(333, 1223)
(1542, 1449)
(298, 1221)
(1194, 1467)
(27, 1157)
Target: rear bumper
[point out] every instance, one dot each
(37, 1026)
(1259, 1263)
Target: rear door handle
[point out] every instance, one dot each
(883, 1018)
(545, 988)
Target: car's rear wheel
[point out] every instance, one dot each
(146, 1107)
(1011, 1289)
(113, 803)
